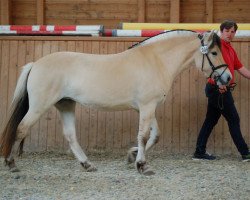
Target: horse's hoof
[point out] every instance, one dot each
(132, 153)
(92, 169)
(14, 169)
(148, 172)
(144, 169)
(12, 166)
(89, 167)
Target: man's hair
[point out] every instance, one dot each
(227, 24)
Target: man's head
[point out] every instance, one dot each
(228, 30)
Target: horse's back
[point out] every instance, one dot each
(87, 78)
(114, 81)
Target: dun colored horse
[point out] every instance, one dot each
(139, 78)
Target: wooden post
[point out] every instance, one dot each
(141, 11)
(5, 12)
(174, 11)
(40, 12)
(209, 11)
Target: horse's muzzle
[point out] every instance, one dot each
(223, 79)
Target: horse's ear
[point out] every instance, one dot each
(210, 38)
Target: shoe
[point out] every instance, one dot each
(246, 158)
(204, 156)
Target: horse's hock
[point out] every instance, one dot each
(180, 118)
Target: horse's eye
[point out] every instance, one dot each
(214, 53)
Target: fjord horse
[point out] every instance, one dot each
(139, 78)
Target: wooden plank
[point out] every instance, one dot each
(5, 12)
(126, 129)
(193, 106)
(167, 134)
(160, 120)
(226, 10)
(184, 111)
(13, 70)
(175, 11)
(192, 11)
(134, 127)
(158, 11)
(24, 12)
(40, 8)
(118, 129)
(209, 11)
(244, 97)
(4, 78)
(176, 114)
(141, 10)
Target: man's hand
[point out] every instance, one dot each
(222, 88)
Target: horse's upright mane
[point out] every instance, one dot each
(166, 34)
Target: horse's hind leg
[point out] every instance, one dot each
(22, 130)
(67, 112)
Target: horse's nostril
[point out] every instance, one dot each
(229, 78)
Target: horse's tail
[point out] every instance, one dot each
(18, 108)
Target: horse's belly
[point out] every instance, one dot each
(107, 106)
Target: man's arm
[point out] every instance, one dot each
(244, 72)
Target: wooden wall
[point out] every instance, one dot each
(111, 12)
(180, 118)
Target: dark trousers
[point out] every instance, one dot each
(221, 104)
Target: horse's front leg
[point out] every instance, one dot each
(153, 139)
(146, 117)
(154, 134)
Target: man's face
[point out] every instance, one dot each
(228, 34)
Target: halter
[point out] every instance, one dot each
(204, 50)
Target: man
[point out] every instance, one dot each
(220, 100)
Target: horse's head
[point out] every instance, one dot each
(210, 59)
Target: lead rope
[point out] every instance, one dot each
(220, 99)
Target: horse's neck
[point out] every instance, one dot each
(176, 55)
